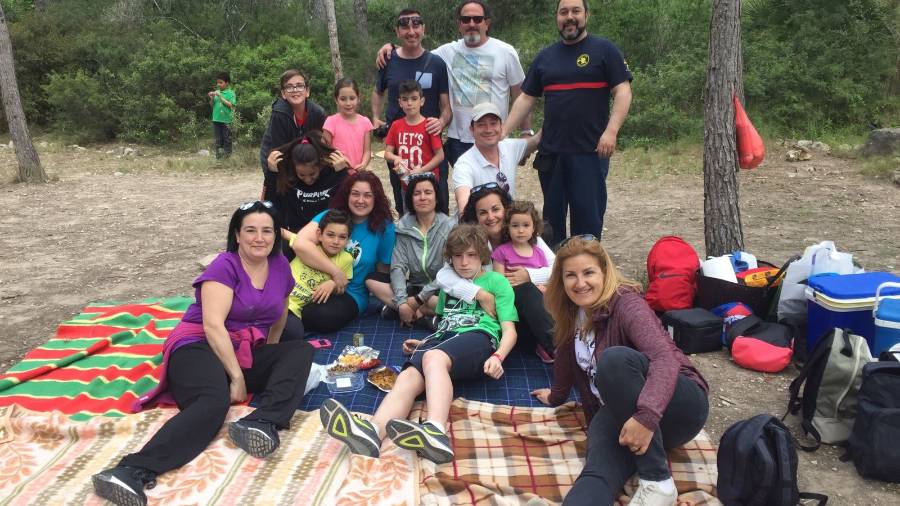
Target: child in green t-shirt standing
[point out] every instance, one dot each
(223, 101)
(469, 344)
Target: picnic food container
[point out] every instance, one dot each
(343, 383)
(378, 371)
(887, 319)
(845, 301)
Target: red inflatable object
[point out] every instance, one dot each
(750, 147)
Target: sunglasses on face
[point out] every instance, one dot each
(415, 21)
(469, 19)
(583, 237)
(249, 205)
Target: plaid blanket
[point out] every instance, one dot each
(506, 455)
(98, 362)
(48, 458)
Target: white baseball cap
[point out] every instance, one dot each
(483, 109)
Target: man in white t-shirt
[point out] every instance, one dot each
(490, 160)
(481, 69)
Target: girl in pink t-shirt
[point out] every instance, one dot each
(349, 131)
(521, 229)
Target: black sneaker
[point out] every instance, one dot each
(124, 485)
(389, 313)
(425, 439)
(341, 424)
(256, 437)
(428, 323)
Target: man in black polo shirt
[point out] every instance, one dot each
(413, 62)
(576, 76)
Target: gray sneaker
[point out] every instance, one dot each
(256, 437)
(425, 439)
(341, 424)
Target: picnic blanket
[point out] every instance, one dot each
(48, 458)
(506, 455)
(98, 362)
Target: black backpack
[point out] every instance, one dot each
(874, 444)
(757, 460)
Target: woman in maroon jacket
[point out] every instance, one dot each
(640, 394)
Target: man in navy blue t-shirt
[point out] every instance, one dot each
(577, 76)
(415, 63)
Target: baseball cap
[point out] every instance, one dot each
(483, 109)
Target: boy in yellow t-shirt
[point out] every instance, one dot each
(312, 286)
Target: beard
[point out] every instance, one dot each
(472, 38)
(573, 36)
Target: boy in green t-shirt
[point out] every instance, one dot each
(469, 344)
(223, 101)
(312, 285)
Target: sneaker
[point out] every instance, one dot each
(425, 439)
(543, 355)
(360, 435)
(428, 323)
(124, 485)
(649, 493)
(389, 313)
(256, 437)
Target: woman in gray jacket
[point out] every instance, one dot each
(418, 253)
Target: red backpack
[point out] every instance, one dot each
(672, 266)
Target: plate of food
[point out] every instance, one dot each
(383, 378)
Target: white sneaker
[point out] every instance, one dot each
(649, 493)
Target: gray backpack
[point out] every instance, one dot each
(830, 380)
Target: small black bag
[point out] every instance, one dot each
(757, 461)
(694, 330)
(874, 444)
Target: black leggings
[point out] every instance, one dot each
(621, 374)
(198, 381)
(535, 325)
(331, 316)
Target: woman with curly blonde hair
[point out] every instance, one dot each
(640, 394)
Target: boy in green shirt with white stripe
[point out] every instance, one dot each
(223, 101)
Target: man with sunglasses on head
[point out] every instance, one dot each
(413, 62)
(482, 69)
(490, 160)
(577, 76)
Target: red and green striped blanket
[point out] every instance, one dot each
(98, 363)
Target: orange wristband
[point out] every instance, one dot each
(498, 357)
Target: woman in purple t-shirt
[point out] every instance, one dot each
(640, 394)
(226, 345)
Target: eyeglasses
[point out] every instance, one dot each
(295, 87)
(416, 21)
(249, 205)
(583, 237)
(468, 19)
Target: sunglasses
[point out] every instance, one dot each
(416, 21)
(583, 237)
(487, 186)
(249, 205)
(468, 19)
(421, 175)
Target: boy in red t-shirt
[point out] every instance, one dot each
(408, 145)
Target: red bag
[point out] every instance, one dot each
(759, 345)
(750, 147)
(672, 266)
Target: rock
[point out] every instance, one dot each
(11, 145)
(130, 152)
(43, 144)
(817, 146)
(203, 152)
(896, 177)
(798, 155)
(882, 142)
(118, 174)
(205, 261)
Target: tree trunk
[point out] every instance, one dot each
(721, 210)
(361, 9)
(30, 169)
(333, 43)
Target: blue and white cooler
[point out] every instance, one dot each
(887, 320)
(847, 301)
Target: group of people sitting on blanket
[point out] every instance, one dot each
(244, 334)
(308, 257)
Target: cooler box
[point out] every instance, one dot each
(887, 320)
(845, 301)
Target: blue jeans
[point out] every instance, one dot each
(576, 183)
(621, 374)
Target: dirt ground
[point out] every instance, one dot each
(113, 227)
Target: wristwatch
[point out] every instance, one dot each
(529, 132)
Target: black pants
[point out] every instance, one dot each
(331, 316)
(222, 134)
(293, 329)
(200, 385)
(535, 325)
(576, 185)
(621, 374)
